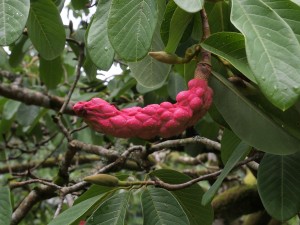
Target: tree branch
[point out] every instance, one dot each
(30, 97)
(47, 163)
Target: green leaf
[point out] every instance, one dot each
(131, 25)
(75, 212)
(175, 85)
(191, 6)
(51, 72)
(279, 185)
(229, 143)
(161, 208)
(149, 72)
(165, 25)
(4, 65)
(289, 12)
(5, 206)
(239, 153)
(26, 114)
(180, 20)
(18, 50)
(266, 135)
(90, 68)
(79, 4)
(218, 16)
(94, 190)
(272, 50)
(189, 198)
(13, 17)
(45, 29)
(100, 50)
(230, 46)
(10, 108)
(111, 211)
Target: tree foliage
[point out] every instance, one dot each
(239, 162)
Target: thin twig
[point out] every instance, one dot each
(59, 207)
(178, 142)
(23, 183)
(78, 73)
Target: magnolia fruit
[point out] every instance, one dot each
(164, 119)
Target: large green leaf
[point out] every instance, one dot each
(239, 153)
(149, 72)
(51, 72)
(289, 12)
(178, 24)
(253, 126)
(45, 29)
(100, 50)
(229, 143)
(75, 212)
(13, 17)
(189, 198)
(112, 211)
(94, 190)
(191, 6)
(279, 185)
(272, 50)
(5, 206)
(230, 46)
(161, 208)
(131, 25)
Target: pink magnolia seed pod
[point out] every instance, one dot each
(164, 119)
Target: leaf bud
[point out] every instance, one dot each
(102, 179)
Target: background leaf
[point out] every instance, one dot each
(5, 206)
(149, 72)
(191, 6)
(112, 211)
(75, 212)
(51, 72)
(131, 25)
(189, 198)
(252, 126)
(279, 185)
(231, 48)
(45, 29)
(161, 208)
(100, 50)
(238, 154)
(19, 50)
(229, 143)
(175, 85)
(178, 24)
(272, 51)
(13, 17)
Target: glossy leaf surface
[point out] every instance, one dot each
(272, 50)
(13, 17)
(161, 208)
(131, 25)
(253, 126)
(279, 185)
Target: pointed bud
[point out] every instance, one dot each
(103, 179)
(166, 57)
